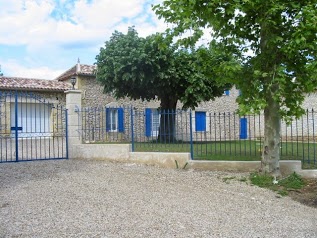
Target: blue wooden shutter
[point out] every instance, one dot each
(243, 128)
(148, 122)
(107, 119)
(227, 92)
(120, 120)
(200, 121)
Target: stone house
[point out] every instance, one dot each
(31, 95)
(92, 92)
(147, 114)
(212, 120)
(32, 119)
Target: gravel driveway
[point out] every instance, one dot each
(78, 198)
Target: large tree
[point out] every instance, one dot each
(277, 41)
(153, 67)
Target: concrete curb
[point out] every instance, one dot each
(286, 166)
(122, 153)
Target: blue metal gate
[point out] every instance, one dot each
(31, 128)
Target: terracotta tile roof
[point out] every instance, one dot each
(33, 84)
(78, 69)
(86, 69)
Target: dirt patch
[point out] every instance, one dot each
(306, 195)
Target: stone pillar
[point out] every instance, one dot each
(73, 104)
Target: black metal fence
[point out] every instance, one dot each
(206, 135)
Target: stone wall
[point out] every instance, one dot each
(57, 98)
(226, 103)
(93, 96)
(310, 101)
(218, 127)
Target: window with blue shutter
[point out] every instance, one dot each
(227, 92)
(108, 121)
(152, 122)
(148, 122)
(156, 116)
(120, 120)
(114, 120)
(200, 121)
(243, 128)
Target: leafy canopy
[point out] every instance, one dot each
(275, 40)
(136, 67)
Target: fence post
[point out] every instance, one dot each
(132, 129)
(73, 104)
(66, 133)
(191, 135)
(314, 138)
(16, 126)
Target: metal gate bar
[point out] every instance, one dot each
(31, 128)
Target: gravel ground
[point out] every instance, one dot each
(78, 198)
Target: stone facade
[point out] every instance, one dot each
(57, 98)
(94, 98)
(222, 122)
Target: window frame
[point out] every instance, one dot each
(200, 121)
(152, 122)
(113, 120)
(114, 117)
(34, 119)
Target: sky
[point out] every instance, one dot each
(43, 38)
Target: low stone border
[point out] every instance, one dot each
(286, 167)
(122, 153)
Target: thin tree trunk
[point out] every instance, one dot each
(167, 120)
(272, 139)
(272, 119)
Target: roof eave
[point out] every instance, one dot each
(34, 89)
(76, 74)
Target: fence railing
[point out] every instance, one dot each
(206, 135)
(105, 124)
(31, 128)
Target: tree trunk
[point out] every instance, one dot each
(167, 120)
(272, 119)
(272, 139)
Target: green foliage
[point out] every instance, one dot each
(146, 68)
(282, 187)
(274, 40)
(293, 181)
(261, 180)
